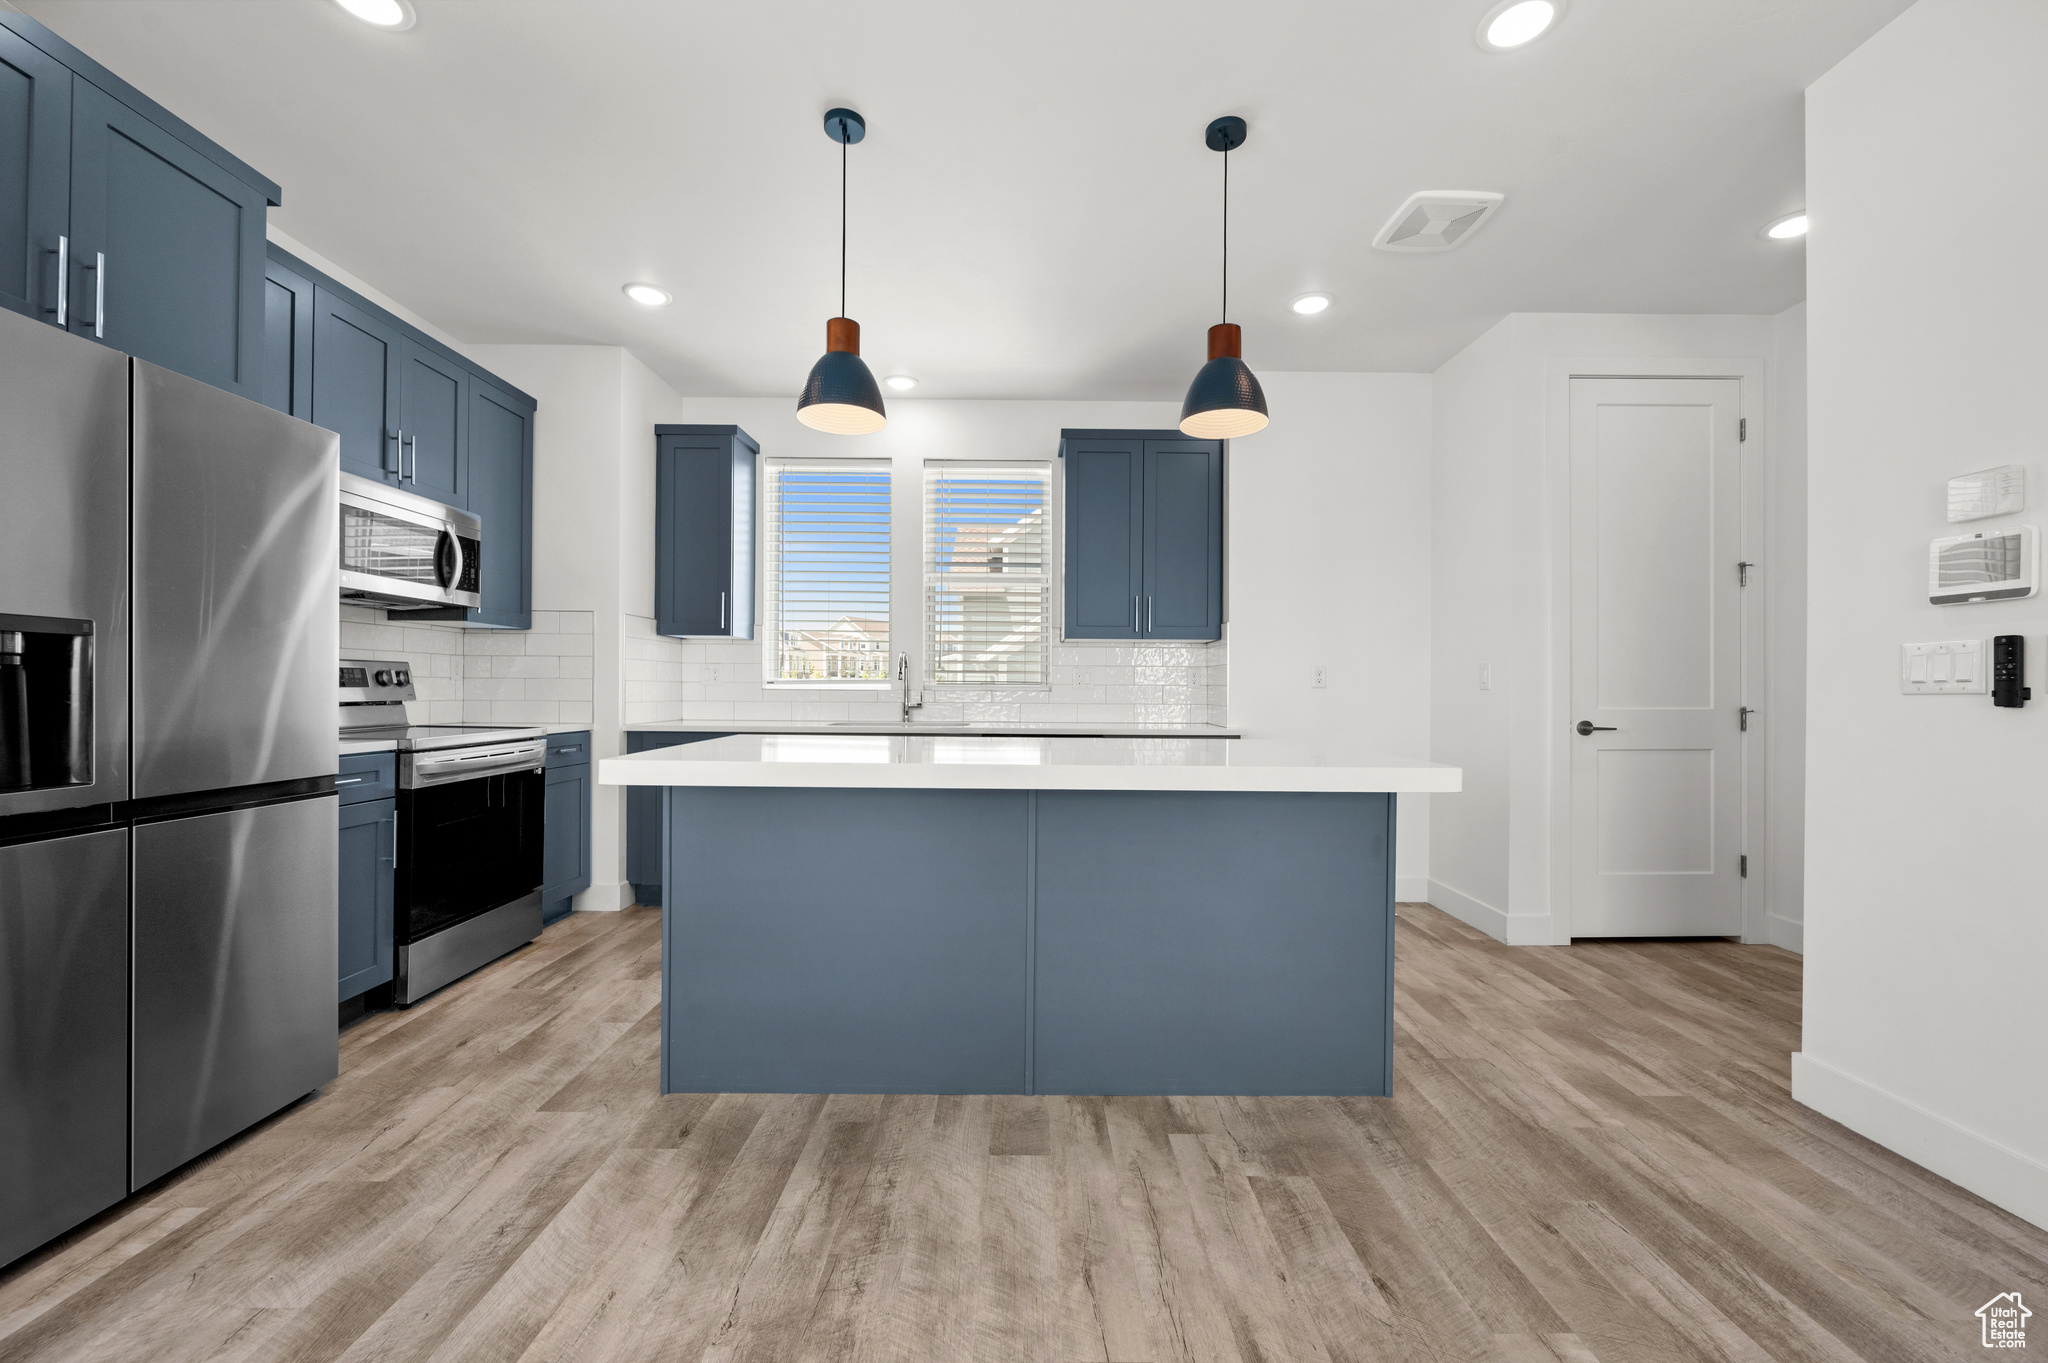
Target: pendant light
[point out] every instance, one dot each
(1225, 400)
(840, 396)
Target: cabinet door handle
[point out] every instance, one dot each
(721, 610)
(350, 780)
(98, 270)
(1148, 615)
(1134, 615)
(393, 858)
(63, 308)
(413, 443)
(397, 444)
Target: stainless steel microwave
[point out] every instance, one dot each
(398, 548)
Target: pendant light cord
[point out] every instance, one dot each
(1226, 231)
(842, 217)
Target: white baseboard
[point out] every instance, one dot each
(1996, 1173)
(1411, 889)
(1517, 930)
(603, 897)
(1788, 933)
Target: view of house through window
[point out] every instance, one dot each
(987, 593)
(828, 571)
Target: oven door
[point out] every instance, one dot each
(466, 847)
(407, 550)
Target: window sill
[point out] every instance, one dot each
(828, 686)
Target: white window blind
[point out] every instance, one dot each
(987, 593)
(828, 571)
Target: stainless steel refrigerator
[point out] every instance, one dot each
(168, 578)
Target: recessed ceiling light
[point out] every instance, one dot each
(1309, 304)
(902, 383)
(1516, 22)
(395, 15)
(1785, 229)
(648, 296)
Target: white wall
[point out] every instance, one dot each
(1926, 939)
(1784, 704)
(1499, 545)
(1329, 564)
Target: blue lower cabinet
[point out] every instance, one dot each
(368, 790)
(790, 968)
(643, 820)
(369, 840)
(565, 846)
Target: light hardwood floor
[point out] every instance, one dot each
(1591, 1155)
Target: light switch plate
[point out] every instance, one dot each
(1954, 668)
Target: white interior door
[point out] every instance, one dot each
(1656, 657)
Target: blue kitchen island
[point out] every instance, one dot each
(953, 914)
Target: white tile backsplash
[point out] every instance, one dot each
(483, 676)
(1102, 681)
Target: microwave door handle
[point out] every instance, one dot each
(448, 559)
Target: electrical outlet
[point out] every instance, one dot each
(1486, 676)
(711, 672)
(1319, 676)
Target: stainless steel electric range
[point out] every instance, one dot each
(470, 823)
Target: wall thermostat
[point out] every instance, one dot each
(1991, 492)
(1992, 565)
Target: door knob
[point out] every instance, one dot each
(1587, 726)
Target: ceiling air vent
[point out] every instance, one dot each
(1436, 219)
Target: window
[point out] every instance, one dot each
(828, 572)
(987, 594)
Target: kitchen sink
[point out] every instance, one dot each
(915, 724)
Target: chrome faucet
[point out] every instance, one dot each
(903, 675)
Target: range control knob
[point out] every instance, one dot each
(383, 677)
(404, 677)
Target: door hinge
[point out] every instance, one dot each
(1742, 714)
(1742, 428)
(1745, 866)
(1742, 573)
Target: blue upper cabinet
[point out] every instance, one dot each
(121, 222)
(166, 252)
(35, 176)
(1105, 527)
(1144, 535)
(411, 413)
(433, 423)
(704, 531)
(1183, 539)
(500, 476)
(287, 382)
(356, 375)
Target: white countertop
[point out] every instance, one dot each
(352, 746)
(964, 762)
(927, 726)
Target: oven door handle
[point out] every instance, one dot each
(426, 769)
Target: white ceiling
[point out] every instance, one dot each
(1033, 212)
